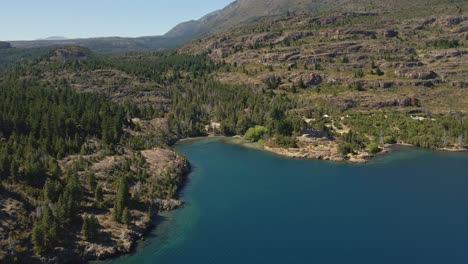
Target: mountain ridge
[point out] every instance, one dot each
(244, 12)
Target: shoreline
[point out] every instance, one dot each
(311, 154)
(239, 140)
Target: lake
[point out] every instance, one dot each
(247, 206)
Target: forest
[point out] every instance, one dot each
(44, 122)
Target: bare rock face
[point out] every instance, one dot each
(70, 52)
(422, 75)
(311, 79)
(168, 204)
(451, 21)
(460, 30)
(409, 101)
(459, 84)
(264, 38)
(294, 36)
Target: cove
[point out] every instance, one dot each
(247, 206)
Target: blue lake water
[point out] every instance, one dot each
(247, 206)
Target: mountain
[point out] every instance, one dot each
(400, 53)
(246, 11)
(109, 44)
(54, 38)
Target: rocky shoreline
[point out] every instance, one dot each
(322, 149)
(131, 237)
(318, 149)
(308, 148)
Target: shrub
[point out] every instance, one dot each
(389, 140)
(285, 141)
(345, 149)
(256, 133)
(445, 43)
(373, 148)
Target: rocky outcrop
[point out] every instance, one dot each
(390, 33)
(372, 101)
(311, 79)
(320, 149)
(422, 75)
(69, 52)
(168, 204)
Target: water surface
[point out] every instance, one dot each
(247, 206)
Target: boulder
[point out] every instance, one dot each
(391, 33)
(423, 75)
(168, 204)
(311, 79)
(409, 101)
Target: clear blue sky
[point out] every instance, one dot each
(33, 19)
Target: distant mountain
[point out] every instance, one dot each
(54, 38)
(109, 44)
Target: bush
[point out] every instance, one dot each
(373, 148)
(285, 141)
(344, 149)
(445, 43)
(256, 133)
(389, 140)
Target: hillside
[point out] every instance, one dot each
(382, 59)
(5, 45)
(86, 157)
(247, 11)
(110, 44)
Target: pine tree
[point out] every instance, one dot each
(121, 200)
(85, 228)
(98, 196)
(72, 196)
(38, 239)
(126, 218)
(50, 225)
(91, 181)
(89, 229)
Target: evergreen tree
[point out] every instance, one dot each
(89, 229)
(121, 200)
(91, 181)
(98, 196)
(38, 238)
(126, 217)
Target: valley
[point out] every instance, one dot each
(88, 127)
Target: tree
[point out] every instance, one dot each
(121, 200)
(90, 227)
(126, 217)
(45, 231)
(51, 190)
(256, 133)
(98, 196)
(373, 148)
(91, 181)
(85, 228)
(344, 149)
(38, 238)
